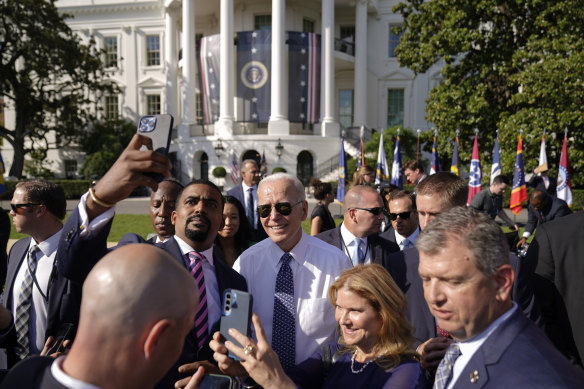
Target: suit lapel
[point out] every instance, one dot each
(15, 259)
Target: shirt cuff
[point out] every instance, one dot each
(526, 234)
(89, 229)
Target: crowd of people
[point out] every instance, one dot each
(410, 290)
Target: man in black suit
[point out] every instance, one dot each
(439, 193)
(404, 228)
(38, 301)
(556, 254)
(247, 194)
(4, 236)
(542, 209)
(111, 351)
(197, 218)
(162, 203)
(362, 221)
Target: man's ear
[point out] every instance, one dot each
(504, 277)
(156, 337)
(173, 217)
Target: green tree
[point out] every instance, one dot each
(507, 65)
(47, 77)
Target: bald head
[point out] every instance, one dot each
(132, 287)
(353, 198)
(363, 211)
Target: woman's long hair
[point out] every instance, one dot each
(244, 233)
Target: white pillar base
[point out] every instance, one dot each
(279, 127)
(224, 128)
(330, 129)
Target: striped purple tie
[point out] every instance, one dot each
(201, 317)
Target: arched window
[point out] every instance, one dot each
(304, 167)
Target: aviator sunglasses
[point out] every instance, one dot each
(402, 215)
(283, 209)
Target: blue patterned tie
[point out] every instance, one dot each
(358, 256)
(22, 319)
(250, 210)
(284, 324)
(444, 371)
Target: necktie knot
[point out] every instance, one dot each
(286, 258)
(195, 257)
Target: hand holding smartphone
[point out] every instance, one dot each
(159, 129)
(236, 313)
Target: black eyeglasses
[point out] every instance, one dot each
(284, 209)
(376, 211)
(17, 207)
(402, 215)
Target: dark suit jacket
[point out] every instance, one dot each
(259, 234)
(389, 234)
(4, 235)
(555, 208)
(417, 310)
(64, 300)
(380, 248)
(556, 254)
(518, 355)
(91, 250)
(536, 182)
(32, 373)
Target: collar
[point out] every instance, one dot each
(349, 238)
(245, 187)
(65, 379)
(186, 248)
(48, 246)
(412, 238)
(298, 252)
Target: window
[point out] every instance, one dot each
(153, 105)
(395, 107)
(263, 22)
(70, 168)
(307, 25)
(110, 45)
(199, 109)
(346, 107)
(152, 50)
(348, 32)
(393, 39)
(111, 107)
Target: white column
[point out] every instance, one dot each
(327, 107)
(278, 124)
(224, 126)
(171, 60)
(189, 64)
(360, 105)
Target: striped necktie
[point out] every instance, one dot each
(22, 319)
(201, 317)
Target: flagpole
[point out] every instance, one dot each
(418, 146)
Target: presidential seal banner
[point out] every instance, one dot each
(303, 77)
(253, 75)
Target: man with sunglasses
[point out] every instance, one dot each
(404, 228)
(38, 300)
(357, 235)
(290, 273)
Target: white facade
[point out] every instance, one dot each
(366, 70)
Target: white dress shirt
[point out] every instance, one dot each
(65, 379)
(349, 246)
(469, 347)
(39, 308)
(399, 239)
(315, 266)
(254, 193)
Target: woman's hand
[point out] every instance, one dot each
(260, 361)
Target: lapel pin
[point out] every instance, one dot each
(474, 377)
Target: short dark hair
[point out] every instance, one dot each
(201, 182)
(452, 189)
(412, 164)
(51, 195)
(322, 189)
(400, 194)
(501, 179)
(174, 181)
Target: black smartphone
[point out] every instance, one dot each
(216, 381)
(159, 129)
(236, 313)
(62, 334)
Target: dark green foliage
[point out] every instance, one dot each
(219, 172)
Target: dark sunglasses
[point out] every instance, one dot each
(376, 211)
(17, 207)
(283, 209)
(402, 215)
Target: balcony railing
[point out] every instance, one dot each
(345, 46)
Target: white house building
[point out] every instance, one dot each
(358, 86)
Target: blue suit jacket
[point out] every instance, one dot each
(518, 355)
(237, 192)
(64, 299)
(417, 310)
(554, 209)
(380, 248)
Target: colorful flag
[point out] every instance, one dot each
(435, 160)
(234, 172)
(253, 75)
(361, 160)
(2, 171)
(396, 167)
(382, 173)
(519, 191)
(342, 174)
(208, 59)
(542, 153)
(496, 166)
(564, 188)
(303, 77)
(454, 165)
(474, 179)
